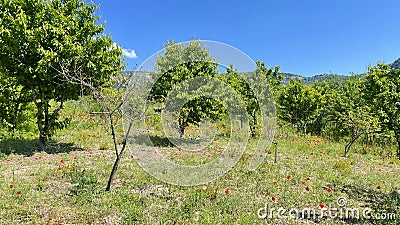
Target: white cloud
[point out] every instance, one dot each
(129, 53)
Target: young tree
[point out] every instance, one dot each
(300, 104)
(239, 84)
(181, 62)
(38, 38)
(383, 94)
(347, 113)
(110, 99)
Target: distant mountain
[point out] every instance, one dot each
(286, 76)
(321, 77)
(310, 80)
(395, 64)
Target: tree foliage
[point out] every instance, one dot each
(181, 62)
(383, 95)
(42, 41)
(300, 104)
(272, 79)
(347, 112)
(13, 99)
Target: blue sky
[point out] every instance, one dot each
(305, 37)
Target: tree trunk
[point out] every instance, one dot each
(42, 135)
(42, 142)
(254, 125)
(351, 142)
(398, 145)
(398, 148)
(182, 131)
(39, 118)
(45, 121)
(114, 169)
(119, 155)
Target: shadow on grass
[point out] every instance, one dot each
(378, 201)
(158, 141)
(29, 147)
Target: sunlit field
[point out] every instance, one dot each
(65, 184)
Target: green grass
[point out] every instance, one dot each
(65, 184)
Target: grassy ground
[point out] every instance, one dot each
(65, 184)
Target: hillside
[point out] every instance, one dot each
(395, 64)
(312, 79)
(286, 76)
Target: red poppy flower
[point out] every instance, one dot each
(274, 182)
(303, 182)
(379, 187)
(273, 198)
(329, 190)
(288, 177)
(59, 168)
(62, 160)
(321, 206)
(307, 179)
(172, 158)
(226, 191)
(18, 193)
(307, 189)
(11, 185)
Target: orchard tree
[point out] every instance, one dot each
(40, 39)
(300, 104)
(240, 85)
(181, 62)
(347, 113)
(382, 88)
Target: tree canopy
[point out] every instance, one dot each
(181, 62)
(46, 47)
(383, 96)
